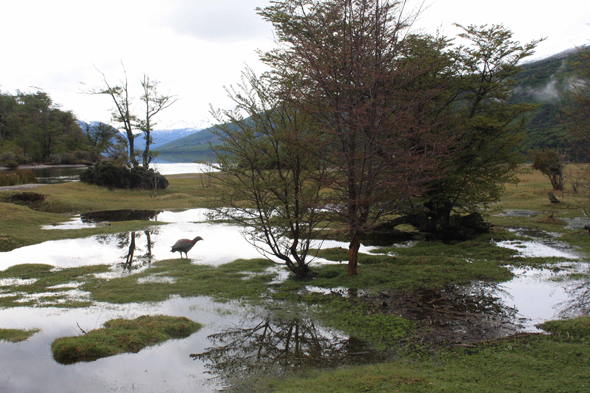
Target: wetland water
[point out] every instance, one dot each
(50, 174)
(237, 340)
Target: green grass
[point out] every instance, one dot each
(121, 335)
(40, 279)
(530, 363)
(16, 335)
(226, 282)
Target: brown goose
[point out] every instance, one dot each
(184, 245)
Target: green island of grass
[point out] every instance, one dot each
(120, 336)
(16, 335)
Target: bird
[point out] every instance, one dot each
(184, 245)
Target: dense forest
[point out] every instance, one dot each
(34, 129)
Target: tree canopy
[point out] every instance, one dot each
(34, 128)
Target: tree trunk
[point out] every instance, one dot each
(354, 246)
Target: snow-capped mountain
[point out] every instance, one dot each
(163, 136)
(166, 132)
(182, 124)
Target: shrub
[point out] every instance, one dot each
(54, 159)
(12, 178)
(550, 164)
(116, 175)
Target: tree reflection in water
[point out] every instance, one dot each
(579, 300)
(129, 241)
(279, 345)
(455, 314)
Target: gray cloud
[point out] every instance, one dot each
(223, 20)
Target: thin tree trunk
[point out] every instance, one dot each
(355, 244)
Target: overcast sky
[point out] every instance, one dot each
(196, 47)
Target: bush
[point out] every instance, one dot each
(12, 178)
(12, 160)
(116, 175)
(550, 164)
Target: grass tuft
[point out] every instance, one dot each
(120, 336)
(16, 335)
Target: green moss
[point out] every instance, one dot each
(534, 363)
(121, 335)
(383, 272)
(16, 335)
(228, 281)
(381, 330)
(577, 327)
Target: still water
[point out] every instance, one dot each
(46, 174)
(237, 340)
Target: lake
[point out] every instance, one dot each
(50, 174)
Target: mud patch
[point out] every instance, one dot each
(451, 315)
(32, 200)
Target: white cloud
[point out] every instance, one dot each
(226, 20)
(196, 47)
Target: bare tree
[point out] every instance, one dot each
(122, 109)
(154, 103)
(272, 176)
(123, 112)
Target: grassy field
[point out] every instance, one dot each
(415, 361)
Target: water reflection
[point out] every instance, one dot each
(51, 174)
(578, 302)
(57, 173)
(28, 367)
(223, 244)
(128, 243)
(278, 345)
(468, 313)
(542, 244)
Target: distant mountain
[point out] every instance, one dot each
(544, 82)
(162, 137)
(196, 142)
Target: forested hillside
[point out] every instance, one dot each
(34, 128)
(544, 82)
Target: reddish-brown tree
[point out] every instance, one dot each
(373, 91)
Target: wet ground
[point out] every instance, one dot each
(237, 340)
(234, 340)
